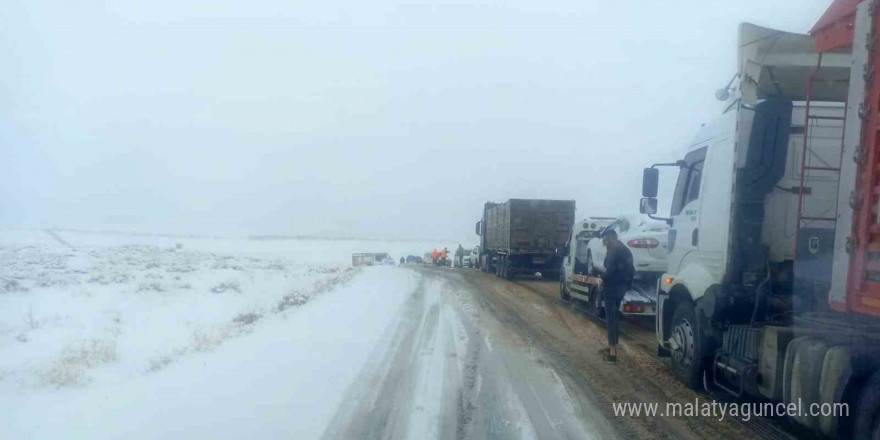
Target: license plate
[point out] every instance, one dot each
(633, 308)
(539, 260)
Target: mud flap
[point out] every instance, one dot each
(663, 352)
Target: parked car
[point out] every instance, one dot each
(646, 239)
(475, 257)
(413, 259)
(466, 260)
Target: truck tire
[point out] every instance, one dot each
(563, 289)
(867, 410)
(593, 303)
(509, 272)
(687, 356)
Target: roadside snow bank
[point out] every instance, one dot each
(70, 316)
(284, 380)
(193, 339)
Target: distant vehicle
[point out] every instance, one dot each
(427, 258)
(475, 257)
(370, 259)
(466, 259)
(575, 280)
(645, 238)
(523, 235)
(413, 259)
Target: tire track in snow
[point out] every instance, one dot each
(379, 404)
(449, 369)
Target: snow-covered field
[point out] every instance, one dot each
(117, 336)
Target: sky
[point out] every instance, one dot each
(379, 119)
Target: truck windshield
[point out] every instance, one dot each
(687, 188)
(580, 251)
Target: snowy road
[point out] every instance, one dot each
(105, 337)
(472, 356)
(448, 370)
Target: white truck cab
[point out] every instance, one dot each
(747, 198)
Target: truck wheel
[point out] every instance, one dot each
(867, 410)
(687, 357)
(593, 303)
(563, 289)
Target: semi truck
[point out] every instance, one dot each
(772, 289)
(523, 236)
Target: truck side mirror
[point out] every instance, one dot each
(648, 205)
(478, 228)
(562, 251)
(650, 179)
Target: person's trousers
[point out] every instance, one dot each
(613, 297)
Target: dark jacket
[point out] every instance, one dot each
(619, 270)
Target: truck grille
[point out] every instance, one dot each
(742, 341)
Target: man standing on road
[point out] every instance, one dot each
(619, 273)
(459, 255)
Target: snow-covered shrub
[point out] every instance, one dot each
(229, 285)
(70, 369)
(150, 287)
(10, 285)
(247, 318)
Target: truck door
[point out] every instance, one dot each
(684, 233)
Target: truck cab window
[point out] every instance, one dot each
(687, 188)
(693, 187)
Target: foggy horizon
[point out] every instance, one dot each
(393, 119)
